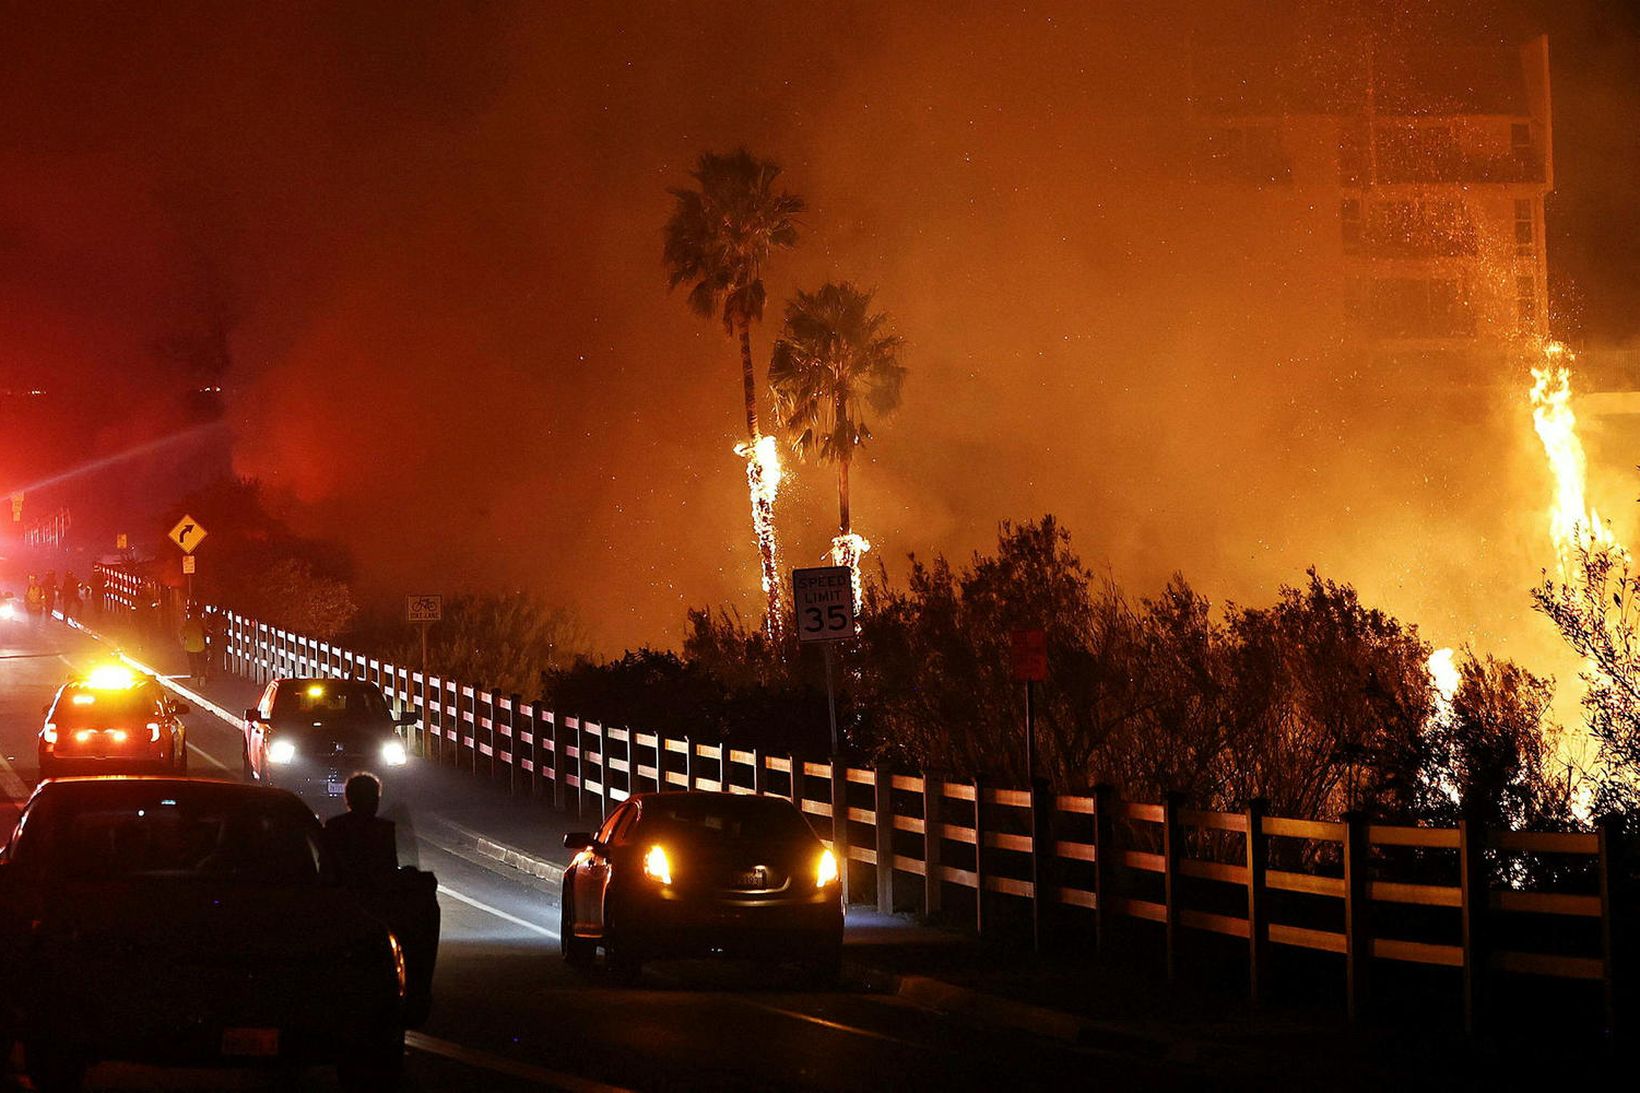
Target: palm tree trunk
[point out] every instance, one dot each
(843, 525)
(748, 381)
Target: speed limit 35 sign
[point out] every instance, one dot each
(824, 598)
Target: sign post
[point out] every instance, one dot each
(187, 535)
(1030, 664)
(823, 597)
(424, 611)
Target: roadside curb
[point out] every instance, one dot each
(500, 853)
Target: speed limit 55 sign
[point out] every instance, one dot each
(824, 597)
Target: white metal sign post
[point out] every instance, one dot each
(824, 599)
(424, 611)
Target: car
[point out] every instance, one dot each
(112, 720)
(696, 873)
(178, 922)
(309, 734)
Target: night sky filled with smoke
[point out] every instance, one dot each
(430, 234)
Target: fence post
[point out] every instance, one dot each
(573, 742)
(760, 775)
(560, 797)
(933, 837)
(796, 762)
(495, 719)
(512, 743)
(689, 762)
(1104, 862)
(979, 855)
(839, 819)
(1474, 890)
(1042, 857)
(1172, 852)
(1357, 914)
(1614, 909)
(883, 821)
(1258, 926)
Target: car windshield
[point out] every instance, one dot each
(164, 833)
(715, 818)
(330, 700)
(86, 707)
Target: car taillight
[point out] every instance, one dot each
(117, 735)
(82, 735)
(656, 867)
(825, 871)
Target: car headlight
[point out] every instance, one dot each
(825, 870)
(393, 753)
(8, 610)
(656, 867)
(282, 751)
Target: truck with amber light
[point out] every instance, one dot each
(113, 721)
(698, 874)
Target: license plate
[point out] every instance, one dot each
(335, 789)
(752, 878)
(250, 1041)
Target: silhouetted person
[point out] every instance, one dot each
(34, 600)
(193, 643)
(98, 586)
(71, 596)
(49, 588)
(359, 851)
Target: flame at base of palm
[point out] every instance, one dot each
(848, 550)
(763, 476)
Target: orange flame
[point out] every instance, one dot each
(1572, 523)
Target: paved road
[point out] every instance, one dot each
(509, 1016)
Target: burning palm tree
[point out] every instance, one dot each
(718, 239)
(834, 361)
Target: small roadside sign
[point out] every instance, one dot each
(190, 564)
(424, 608)
(824, 598)
(188, 534)
(1030, 655)
(122, 541)
(16, 507)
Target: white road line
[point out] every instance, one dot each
(463, 897)
(835, 1026)
(419, 1041)
(211, 759)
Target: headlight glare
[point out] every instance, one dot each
(393, 753)
(282, 751)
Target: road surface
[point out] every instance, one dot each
(509, 1016)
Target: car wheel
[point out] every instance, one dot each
(624, 961)
(53, 1072)
(245, 759)
(578, 951)
(375, 1066)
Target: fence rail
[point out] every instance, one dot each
(936, 846)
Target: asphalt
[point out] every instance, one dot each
(508, 1014)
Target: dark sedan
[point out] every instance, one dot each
(682, 874)
(178, 922)
(310, 734)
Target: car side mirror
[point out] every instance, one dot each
(578, 840)
(408, 717)
(182, 707)
(251, 714)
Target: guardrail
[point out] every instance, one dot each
(939, 846)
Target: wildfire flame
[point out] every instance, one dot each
(763, 476)
(848, 550)
(1572, 523)
(1444, 675)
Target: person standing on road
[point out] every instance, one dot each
(98, 588)
(193, 643)
(359, 849)
(49, 588)
(71, 596)
(34, 600)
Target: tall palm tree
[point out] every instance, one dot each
(718, 239)
(833, 362)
